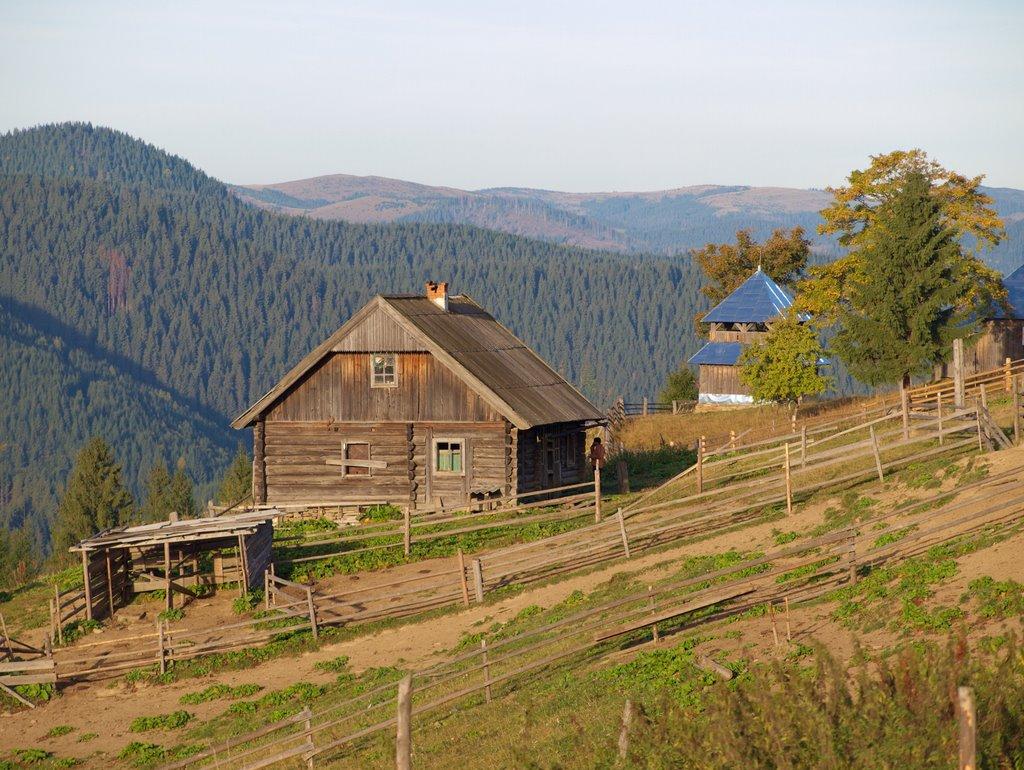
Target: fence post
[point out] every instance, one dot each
(732, 440)
(968, 719)
(627, 719)
(650, 605)
(905, 409)
(700, 466)
(675, 406)
(622, 531)
(487, 670)
(853, 557)
(597, 491)
(645, 406)
(1007, 376)
(462, 578)
(874, 449)
(1016, 410)
(977, 415)
(160, 641)
(59, 631)
(803, 446)
(958, 374)
(789, 628)
(7, 638)
(53, 622)
(775, 630)
(789, 480)
(266, 590)
(406, 530)
(938, 407)
(623, 471)
(984, 400)
(312, 614)
(307, 733)
(478, 580)
(403, 737)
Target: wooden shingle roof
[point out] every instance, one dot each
(467, 339)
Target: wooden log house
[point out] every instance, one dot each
(745, 316)
(1002, 334)
(417, 401)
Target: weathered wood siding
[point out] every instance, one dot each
(721, 379)
(552, 456)
(483, 462)
(339, 389)
(722, 335)
(1001, 339)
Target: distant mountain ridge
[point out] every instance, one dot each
(661, 221)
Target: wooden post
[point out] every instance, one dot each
(803, 446)
(938, 408)
(407, 530)
(789, 481)
(266, 590)
(88, 591)
(905, 409)
(968, 719)
(874, 449)
(312, 614)
(675, 406)
(775, 630)
(627, 719)
(110, 583)
(700, 466)
(732, 439)
(645, 406)
(53, 622)
(7, 637)
(478, 580)
(160, 641)
(1016, 410)
(789, 628)
(622, 531)
(623, 472)
(977, 415)
(597, 492)
(1007, 375)
(307, 733)
(243, 571)
(984, 400)
(403, 737)
(169, 599)
(958, 374)
(853, 557)
(487, 670)
(462, 578)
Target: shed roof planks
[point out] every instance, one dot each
(189, 530)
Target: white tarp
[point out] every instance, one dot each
(724, 398)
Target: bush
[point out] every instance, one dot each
(172, 721)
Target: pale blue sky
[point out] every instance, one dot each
(575, 96)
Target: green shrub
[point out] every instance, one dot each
(32, 756)
(382, 513)
(247, 602)
(337, 665)
(59, 730)
(172, 721)
(996, 599)
(173, 614)
(85, 737)
(218, 691)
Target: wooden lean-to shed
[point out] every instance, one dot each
(745, 316)
(417, 401)
(174, 557)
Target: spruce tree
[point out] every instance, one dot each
(158, 494)
(95, 499)
(237, 481)
(179, 494)
(901, 315)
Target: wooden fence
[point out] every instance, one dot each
(745, 487)
(66, 607)
(783, 577)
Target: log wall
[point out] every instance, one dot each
(721, 379)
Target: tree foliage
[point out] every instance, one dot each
(237, 481)
(963, 208)
(681, 385)
(784, 367)
(783, 256)
(18, 558)
(901, 313)
(158, 499)
(180, 495)
(95, 499)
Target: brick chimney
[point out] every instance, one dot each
(438, 293)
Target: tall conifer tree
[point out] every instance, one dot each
(95, 499)
(901, 316)
(158, 494)
(237, 481)
(180, 496)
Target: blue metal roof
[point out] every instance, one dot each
(757, 300)
(718, 353)
(1014, 284)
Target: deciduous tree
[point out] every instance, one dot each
(681, 385)
(783, 256)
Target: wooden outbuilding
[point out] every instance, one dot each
(169, 556)
(417, 401)
(1002, 335)
(745, 316)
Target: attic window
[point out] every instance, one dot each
(384, 371)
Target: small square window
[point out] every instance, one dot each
(384, 370)
(355, 450)
(448, 456)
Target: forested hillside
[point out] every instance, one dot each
(145, 303)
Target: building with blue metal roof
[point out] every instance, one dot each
(738, 320)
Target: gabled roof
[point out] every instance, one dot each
(757, 300)
(718, 354)
(467, 339)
